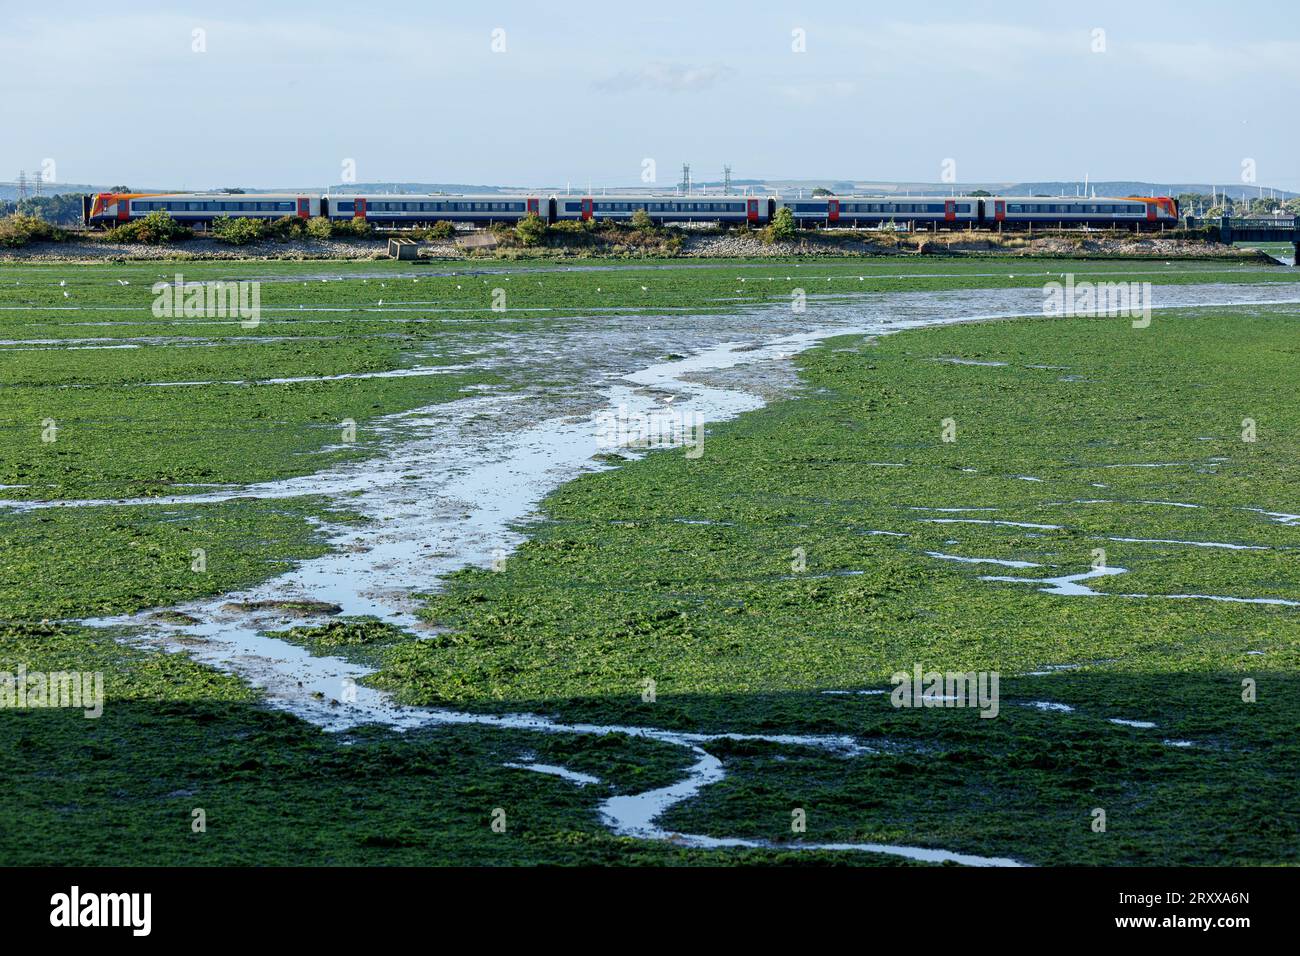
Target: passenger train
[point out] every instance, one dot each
(396, 209)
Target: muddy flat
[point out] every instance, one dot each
(634, 558)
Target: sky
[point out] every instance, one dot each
(260, 94)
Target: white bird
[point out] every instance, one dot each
(123, 282)
(67, 295)
(63, 282)
(644, 289)
(381, 301)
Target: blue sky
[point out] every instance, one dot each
(285, 93)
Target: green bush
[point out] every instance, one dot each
(19, 229)
(439, 230)
(156, 229)
(239, 232)
(288, 228)
(641, 220)
(351, 228)
(782, 226)
(319, 227)
(531, 230)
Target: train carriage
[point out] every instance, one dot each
(1103, 212)
(662, 209)
(850, 211)
(396, 209)
(199, 208)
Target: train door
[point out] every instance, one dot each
(586, 207)
(999, 209)
(360, 212)
(1151, 211)
(751, 210)
(949, 209)
(304, 207)
(531, 206)
(123, 209)
(833, 210)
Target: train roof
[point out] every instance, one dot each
(165, 195)
(1080, 199)
(483, 196)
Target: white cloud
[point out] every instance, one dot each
(807, 93)
(1268, 61)
(668, 77)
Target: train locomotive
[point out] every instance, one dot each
(401, 209)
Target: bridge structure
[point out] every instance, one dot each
(1271, 229)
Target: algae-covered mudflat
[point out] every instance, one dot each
(367, 582)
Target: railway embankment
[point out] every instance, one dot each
(661, 243)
